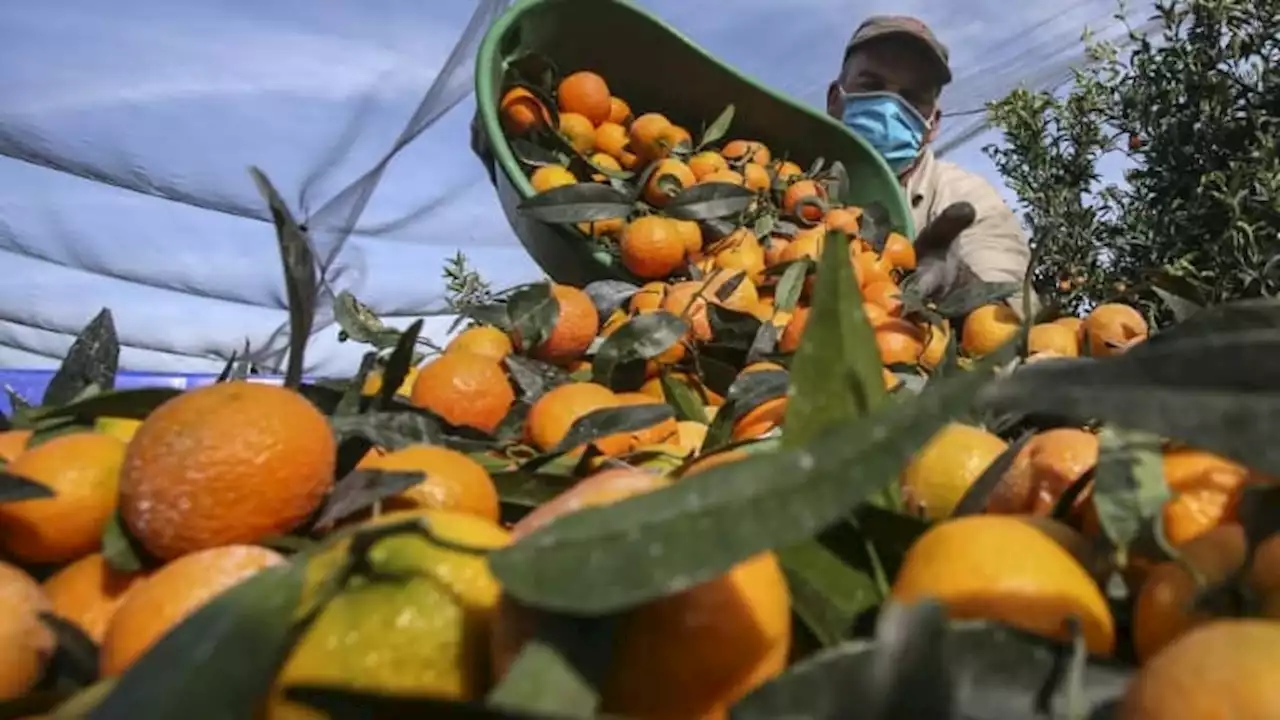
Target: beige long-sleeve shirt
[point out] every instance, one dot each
(995, 246)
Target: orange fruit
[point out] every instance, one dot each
(870, 268)
(891, 380)
(788, 171)
(803, 190)
(900, 342)
(1206, 489)
(657, 434)
(746, 150)
(886, 294)
(163, 600)
(619, 111)
(83, 470)
(1049, 463)
(608, 227)
(465, 389)
(26, 644)
(899, 251)
(234, 462)
(733, 177)
(1052, 338)
(549, 177)
(486, 341)
(942, 471)
(13, 443)
(576, 326)
(1000, 568)
(688, 301)
(690, 434)
(690, 236)
(645, 135)
(1111, 328)
(732, 289)
(554, 413)
(935, 346)
(988, 328)
(756, 177)
(522, 112)
(670, 177)
(706, 646)
(580, 132)
(706, 162)
(740, 250)
(585, 93)
(611, 139)
(1224, 669)
(604, 161)
(672, 137)
(652, 247)
(87, 593)
(648, 297)
(844, 219)
(653, 388)
(775, 250)
(789, 341)
(453, 481)
(764, 417)
(1074, 324)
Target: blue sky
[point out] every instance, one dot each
(179, 98)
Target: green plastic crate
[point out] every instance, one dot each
(655, 69)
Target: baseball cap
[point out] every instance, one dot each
(880, 26)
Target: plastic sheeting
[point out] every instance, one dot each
(127, 130)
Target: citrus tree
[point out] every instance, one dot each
(1189, 114)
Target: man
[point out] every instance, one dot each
(887, 91)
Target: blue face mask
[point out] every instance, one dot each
(894, 128)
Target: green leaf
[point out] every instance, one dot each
(120, 549)
(837, 183)
(339, 703)
(733, 328)
(1243, 316)
(352, 399)
(75, 661)
(92, 360)
(527, 488)
(914, 678)
(399, 364)
(392, 430)
(718, 128)
(605, 559)
(361, 490)
(827, 594)
(532, 154)
(970, 296)
(14, 488)
(221, 660)
(22, 411)
(1129, 489)
(532, 312)
(534, 377)
(748, 391)
(1181, 308)
(1220, 393)
(560, 670)
(360, 323)
(835, 374)
(608, 421)
(300, 282)
(644, 336)
(609, 295)
(874, 226)
(686, 400)
(791, 285)
(708, 200)
(581, 202)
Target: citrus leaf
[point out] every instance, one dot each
(75, 661)
(352, 400)
(837, 183)
(912, 678)
(560, 669)
(300, 282)
(732, 328)
(120, 549)
(1181, 308)
(835, 374)
(1257, 314)
(1221, 393)
(718, 128)
(528, 488)
(826, 594)
(791, 284)
(346, 704)
(581, 202)
(360, 490)
(970, 296)
(611, 421)
(533, 154)
(1004, 674)
(532, 312)
(360, 323)
(14, 488)
(92, 360)
(1129, 489)
(747, 392)
(974, 501)
(398, 364)
(686, 401)
(708, 200)
(534, 377)
(391, 430)
(644, 336)
(609, 295)
(604, 559)
(874, 225)
(21, 410)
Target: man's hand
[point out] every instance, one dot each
(480, 145)
(938, 269)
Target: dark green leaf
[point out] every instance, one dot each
(534, 155)
(360, 323)
(75, 661)
(92, 360)
(1259, 513)
(1129, 489)
(346, 704)
(874, 226)
(16, 489)
(826, 594)
(1242, 316)
(609, 295)
(791, 285)
(747, 392)
(611, 421)
(718, 128)
(529, 488)
(1181, 308)
(836, 371)
(22, 410)
(1220, 393)
(390, 429)
(534, 377)
(360, 490)
(494, 314)
(764, 226)
(532, 312)
(398, 364)
(837, 184)
(765, 344)
(708, 200)
(913, 678)
(352, 395)
(581, 202)
(605, 559)
(966, 298)
(120, 549)
(688, 404)
(732, 328)
(220, 661)
(300, 280)
(560, 670)
(975, 498)
(644, 336)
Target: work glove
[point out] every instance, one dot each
(939, 268)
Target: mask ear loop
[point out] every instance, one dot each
(845, 96)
